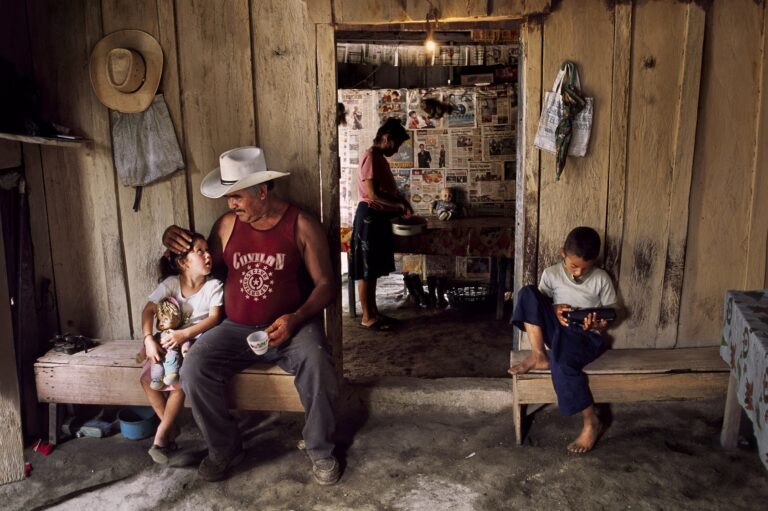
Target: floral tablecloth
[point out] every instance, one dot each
(459, 241)
(745, 347)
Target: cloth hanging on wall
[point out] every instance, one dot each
(145, 146)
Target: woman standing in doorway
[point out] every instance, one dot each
(380, 201)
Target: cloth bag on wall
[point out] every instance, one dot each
(566, 117)
(145, 146)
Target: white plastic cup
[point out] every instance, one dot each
(258, 341)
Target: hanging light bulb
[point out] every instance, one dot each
(429, 43)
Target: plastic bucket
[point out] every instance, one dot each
(137, 422)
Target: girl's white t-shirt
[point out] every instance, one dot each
(196, 307)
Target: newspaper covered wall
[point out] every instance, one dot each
(471, 151)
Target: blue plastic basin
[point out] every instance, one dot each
(137, 422)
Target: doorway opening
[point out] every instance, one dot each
(459, 105)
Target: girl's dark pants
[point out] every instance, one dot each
(570, 349)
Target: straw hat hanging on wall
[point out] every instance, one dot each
(126, 67)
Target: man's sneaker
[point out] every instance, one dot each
(326, 471)
(216, 468)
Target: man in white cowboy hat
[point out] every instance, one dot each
(270, 249)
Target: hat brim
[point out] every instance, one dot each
(151, 52)
(212, 187)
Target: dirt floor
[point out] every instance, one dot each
(654, 456)
(427, 343)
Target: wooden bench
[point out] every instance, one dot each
(621, 376)
(109, 375)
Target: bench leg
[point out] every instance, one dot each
(517, 413)
(731, 416)
(53, 423)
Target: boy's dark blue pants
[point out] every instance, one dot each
(570, 348)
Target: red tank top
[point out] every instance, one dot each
(263, 270)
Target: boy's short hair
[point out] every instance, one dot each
(394, 128)
(583, 242)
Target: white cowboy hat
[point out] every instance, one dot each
(238, 169)
(125, 68)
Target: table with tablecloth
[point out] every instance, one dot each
(744, 347)
(491, 237)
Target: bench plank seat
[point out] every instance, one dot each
(631, 375)
(109, 375)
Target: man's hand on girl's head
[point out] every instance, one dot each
(177, 239)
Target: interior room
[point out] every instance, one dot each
(448, 291)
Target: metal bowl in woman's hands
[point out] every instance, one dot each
(409, 226)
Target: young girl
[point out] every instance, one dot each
(185, 278)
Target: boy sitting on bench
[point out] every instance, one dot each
(573, 283)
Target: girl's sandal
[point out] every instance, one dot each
(159, 454)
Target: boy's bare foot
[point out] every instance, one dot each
(536, 360)
(587, 438)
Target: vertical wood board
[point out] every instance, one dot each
(717, 241)
(11, 441)
(216, 93)
(80, 184)
(617, 170)
(584, 34)
(658, 37)
(757, 250)
(527, 193)
(165, 202)
(528, 168)
(683, 149)
(45, 282)
(329, 175)
(285, 85)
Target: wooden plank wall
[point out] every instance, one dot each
(729, 173)
(683, 221)
(105, 254)
(672, 187)
(657, 65)
(81, 199)
(583, 33)
(162, 203)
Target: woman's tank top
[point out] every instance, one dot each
(263, 269)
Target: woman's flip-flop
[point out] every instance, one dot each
(378, 326)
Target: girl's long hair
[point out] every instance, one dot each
(169, 263)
